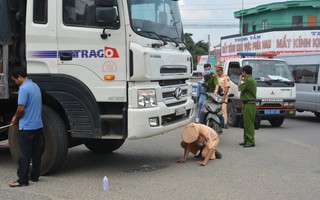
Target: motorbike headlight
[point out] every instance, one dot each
(147, 98)
(217, 98)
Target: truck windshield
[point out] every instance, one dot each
(269, 70)
(159, 16)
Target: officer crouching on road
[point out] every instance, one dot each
(200, 137)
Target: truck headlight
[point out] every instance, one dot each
(147, 98)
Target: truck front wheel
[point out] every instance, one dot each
(101, 146)
(317, 114)
(55, 141)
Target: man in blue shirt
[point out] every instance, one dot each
(28, 117)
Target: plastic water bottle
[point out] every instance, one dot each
(105, 183)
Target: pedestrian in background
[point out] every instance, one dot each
(248, 98)
(28, 118)
(224, 82)
(199, 137)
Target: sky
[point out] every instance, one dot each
(214, 18)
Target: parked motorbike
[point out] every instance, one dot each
(210, 112)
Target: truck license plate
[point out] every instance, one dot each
(181, 111)
(272, 112)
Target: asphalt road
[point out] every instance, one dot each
(285, 164)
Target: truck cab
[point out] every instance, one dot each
(276, 91)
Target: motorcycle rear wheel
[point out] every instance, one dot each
(214, 125)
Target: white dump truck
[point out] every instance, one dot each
(108, 70)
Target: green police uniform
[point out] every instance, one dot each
(248, 97)
(212, 80)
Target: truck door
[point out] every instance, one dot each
(40, 40)
(86, 53)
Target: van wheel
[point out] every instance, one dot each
(100, 146)
(55, 141)
(317, 114)
(257, 122)
(233, 120)
(276, 122)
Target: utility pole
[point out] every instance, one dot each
(209, 44)
(242, 27)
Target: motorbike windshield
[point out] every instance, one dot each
(270, 72)
(154, 18)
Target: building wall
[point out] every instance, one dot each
(279, 14)
(280, 18)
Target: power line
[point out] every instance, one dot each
(209, 26)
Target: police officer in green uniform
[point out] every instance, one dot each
(212, 86)
(211, 80)
(248, 97)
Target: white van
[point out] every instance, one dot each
(305, 70)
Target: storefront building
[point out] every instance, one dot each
(283, 27)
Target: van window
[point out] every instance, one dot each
(305, 74)
(83, 13)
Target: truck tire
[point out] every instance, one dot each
(317, 114)
(214, 125)
(54, 138)
(233, 119)
(101, 146)
(276, 122)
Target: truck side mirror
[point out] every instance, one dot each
(106, 15)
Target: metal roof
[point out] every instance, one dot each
(277, 6)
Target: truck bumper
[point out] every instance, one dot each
(168, 118)
(272, 113)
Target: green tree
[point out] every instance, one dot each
(199, 48)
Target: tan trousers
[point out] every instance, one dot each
(224, 110)
(194, 148)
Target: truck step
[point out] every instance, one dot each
(111, 117)
(112, 136)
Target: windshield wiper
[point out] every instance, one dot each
(171, 39)
(180, 41)
(284, 81)
(159, 37)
